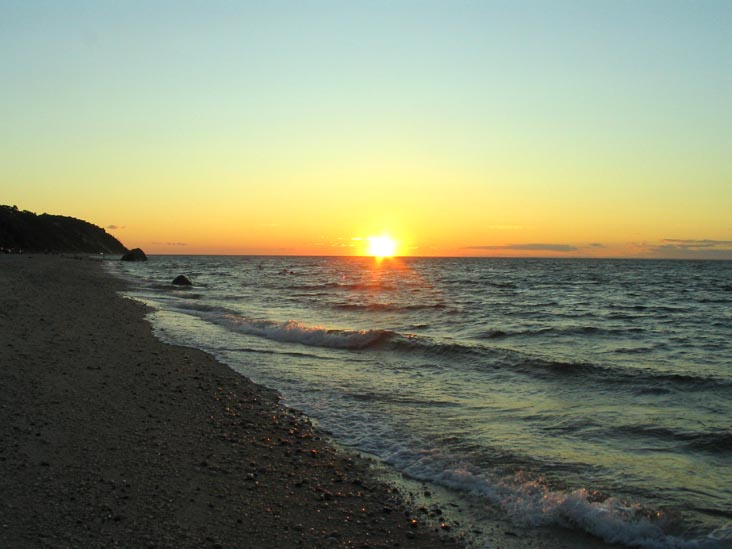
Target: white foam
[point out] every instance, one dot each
(292, 331)
(530, 502)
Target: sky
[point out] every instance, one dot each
(459, 128)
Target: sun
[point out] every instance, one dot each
(381, 246)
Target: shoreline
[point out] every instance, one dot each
(117, 439)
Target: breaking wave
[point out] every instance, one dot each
(531, 502)
(292, 331)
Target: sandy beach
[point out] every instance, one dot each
(112, 438)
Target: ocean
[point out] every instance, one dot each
(588, 394)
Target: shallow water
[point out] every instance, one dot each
(594, 394)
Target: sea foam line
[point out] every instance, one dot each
(292, 331)
(530, 502)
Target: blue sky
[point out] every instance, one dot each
(613, 114)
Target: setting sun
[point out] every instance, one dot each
(381, 246)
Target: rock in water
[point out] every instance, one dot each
(182, 280)
(135, 255)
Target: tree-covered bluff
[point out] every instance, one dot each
(24, 231)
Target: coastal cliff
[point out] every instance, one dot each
(25, 231)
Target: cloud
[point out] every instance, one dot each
(691, 244)
(170, 243)
(597, 245)
(530, 247)
(689, 248)
(115, 227)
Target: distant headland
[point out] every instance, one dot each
(24, 231)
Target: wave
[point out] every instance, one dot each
(458, 353)
(462, 353)
(386, 307)
(474, 355)
(531, 502)
(498, 358)
(482, 282)
(200, 307)
(562, 330)
(712, 441)
(378, 396)
(636, 378)
(184, 291)
(652, 308)
(292, 331)
(347, 286)
(308, 287)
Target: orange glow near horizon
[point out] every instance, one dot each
(381, 246)
(221, 144)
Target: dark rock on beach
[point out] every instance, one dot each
(182, 280)
(135, 255)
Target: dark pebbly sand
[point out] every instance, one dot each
(111, 438)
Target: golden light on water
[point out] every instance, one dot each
(381, 246)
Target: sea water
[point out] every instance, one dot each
(590, 394)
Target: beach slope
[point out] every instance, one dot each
(112, 438)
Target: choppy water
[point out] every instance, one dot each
(594, 394)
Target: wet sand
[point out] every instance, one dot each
(112, 438)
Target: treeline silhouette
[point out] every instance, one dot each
(24, 231)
